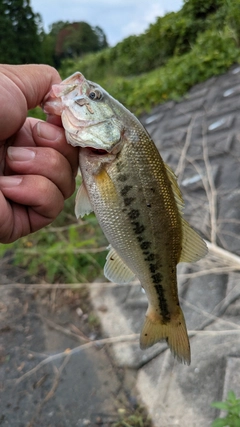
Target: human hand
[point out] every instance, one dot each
(37, 166)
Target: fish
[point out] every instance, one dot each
(137, 201)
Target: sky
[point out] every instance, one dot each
(117, 18)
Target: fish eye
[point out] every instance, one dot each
(95, 95)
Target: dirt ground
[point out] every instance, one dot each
(51, 373)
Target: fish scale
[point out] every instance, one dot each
(137, 201)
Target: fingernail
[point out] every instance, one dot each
(10, 181)
(48, 131)
(20, 154)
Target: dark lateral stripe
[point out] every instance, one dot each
(138, 228)
(128, 200)
(145, 245)
(153, 267)
(150, 257)
(162, 303)
(134, 214)
(125, 190)
(122, 178)
(157, 278)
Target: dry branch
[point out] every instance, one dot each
(222, 255)
(99, 343)
(68, 353)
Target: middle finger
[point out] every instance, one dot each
(44, 161)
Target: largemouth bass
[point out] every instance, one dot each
(137, 202)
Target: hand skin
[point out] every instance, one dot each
(37, 166)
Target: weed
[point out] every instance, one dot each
(93, 320)
(232, 407)
(138, 419)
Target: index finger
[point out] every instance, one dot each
(22, 87)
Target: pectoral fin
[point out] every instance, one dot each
(106, 186)
(116, 270)
(82, 203)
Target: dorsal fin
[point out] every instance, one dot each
(193, 246)
(175, 187)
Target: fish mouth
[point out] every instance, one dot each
(98, 151)
(95, 151)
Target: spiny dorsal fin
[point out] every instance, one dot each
(82, 203)
(116, 270)
(193, 246)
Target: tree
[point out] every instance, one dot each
(20, 33)
(77, 38)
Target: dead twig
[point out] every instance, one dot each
(51, 392)
(210, 316)
(61, 329)
(179, 171)
(212, 192)
(75, 251)
(225, 257)
(95, 343)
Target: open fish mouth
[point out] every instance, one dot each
(98, 151)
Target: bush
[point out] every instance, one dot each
(174, 34)
(213, 54)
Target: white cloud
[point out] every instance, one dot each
(143, 19)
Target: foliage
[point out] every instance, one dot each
(172, 35)
(213, 53)
(232, 407)
(232, 17)
(20, 33)
(200, 9)
(37, 113)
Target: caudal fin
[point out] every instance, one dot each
(174, 332)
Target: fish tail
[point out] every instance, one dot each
(174, 332)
